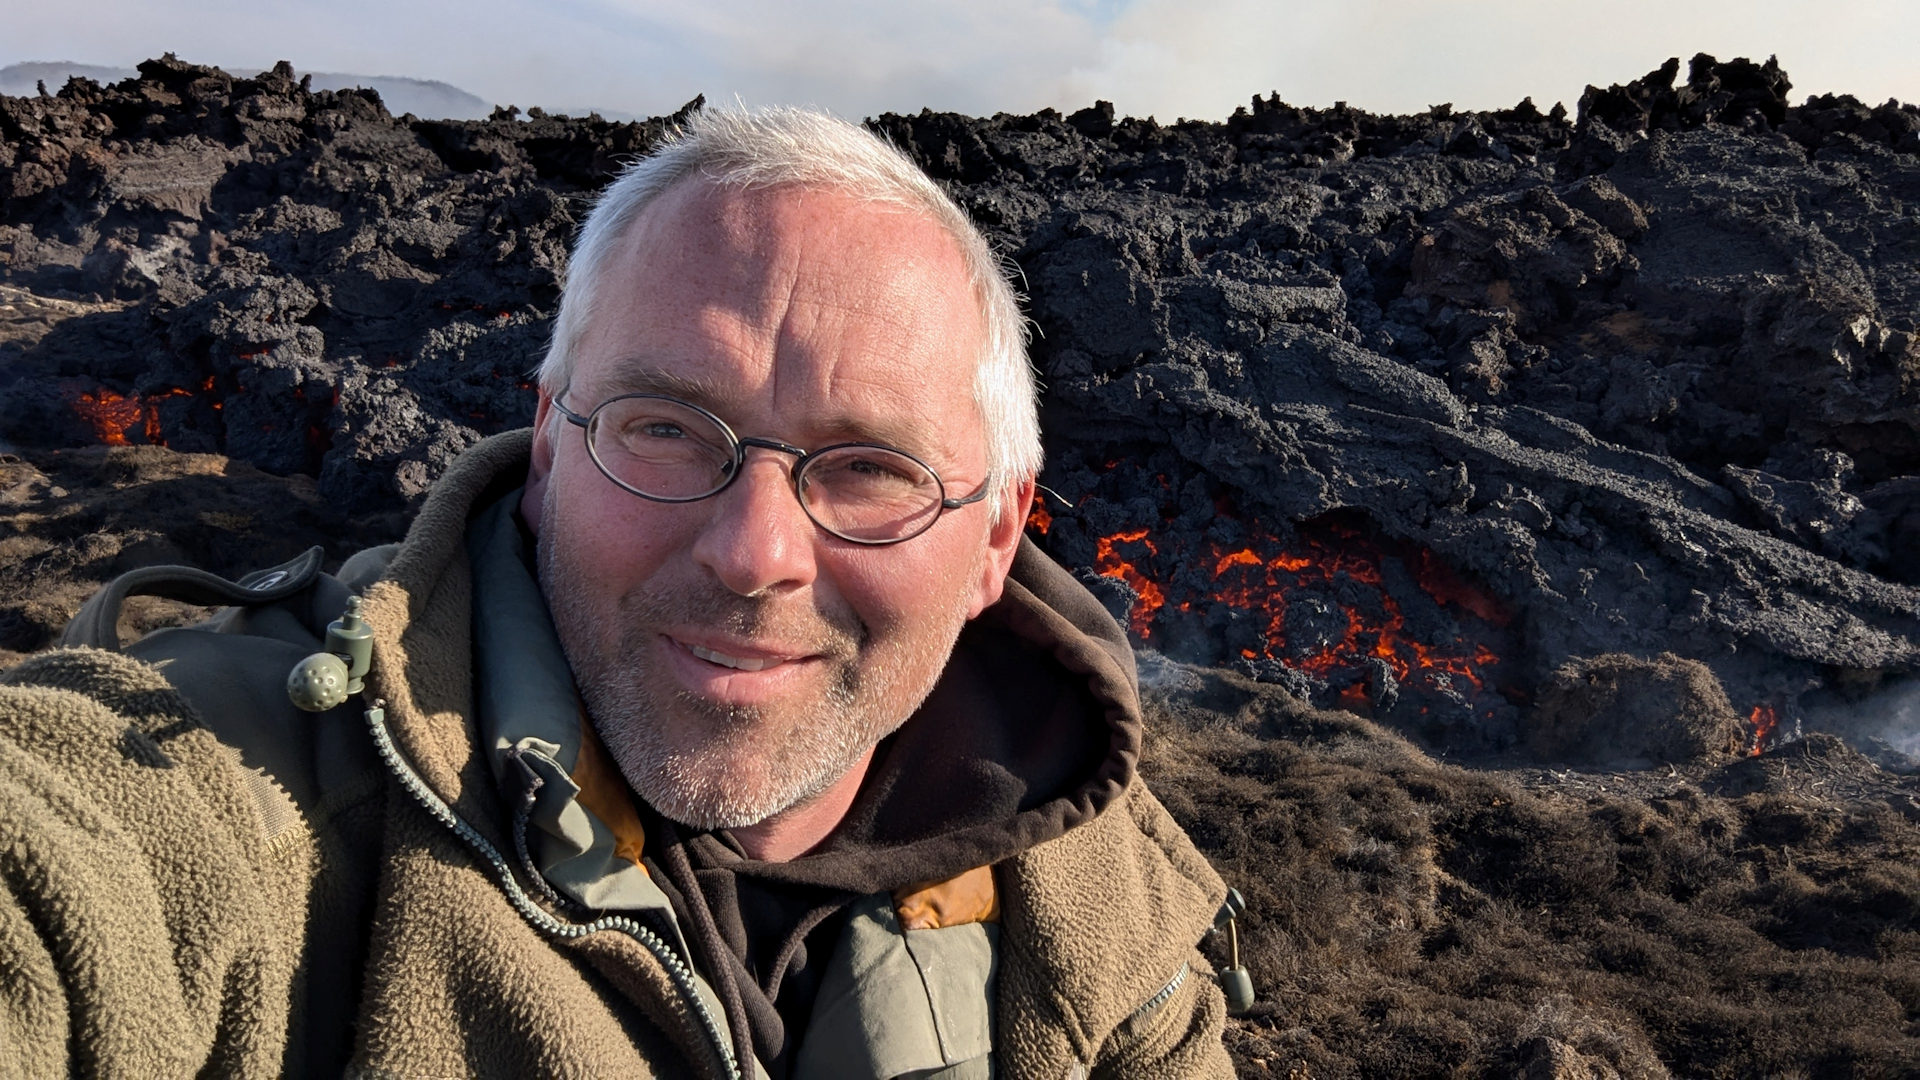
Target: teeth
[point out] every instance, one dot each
(724, 660)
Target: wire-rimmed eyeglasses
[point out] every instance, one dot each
(667, 450)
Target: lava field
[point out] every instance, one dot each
(1517, 512)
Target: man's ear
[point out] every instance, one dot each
(533, 498)
(1003, 539)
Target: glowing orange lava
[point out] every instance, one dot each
(110, 414)
(1764, 720)
(152, 408)
(113, 415)
(1330, 560)
(1112, 565)
(1038, 519)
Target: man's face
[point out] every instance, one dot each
(737, 659)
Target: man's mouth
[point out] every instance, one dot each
(739, 663)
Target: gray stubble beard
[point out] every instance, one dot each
(732, 778)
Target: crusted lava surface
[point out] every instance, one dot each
(1581, 449)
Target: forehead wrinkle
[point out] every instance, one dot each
(785, 331)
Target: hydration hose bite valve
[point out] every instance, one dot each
(1234, 979)
(327, 679)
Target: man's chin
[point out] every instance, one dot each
(730, 768)
(727, 798)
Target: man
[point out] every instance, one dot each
(720, 725)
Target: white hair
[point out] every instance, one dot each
(753, 150)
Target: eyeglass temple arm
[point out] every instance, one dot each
(955, 504)
(572, 417)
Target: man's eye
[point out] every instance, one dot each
(878, 470)
(662, 429)
(869, 473)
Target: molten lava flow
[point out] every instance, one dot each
(1439, 581)
(1354, 617)
(152, 407)
(1111, 565)
(1038, 519)
(1764, 720)
(110, 414)
(1233, 559)
(113, 415)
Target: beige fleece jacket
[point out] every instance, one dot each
(161, 900)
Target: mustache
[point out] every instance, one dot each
(714, 606)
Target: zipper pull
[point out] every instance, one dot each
(1235, 981)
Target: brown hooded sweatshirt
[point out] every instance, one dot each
(194, 876)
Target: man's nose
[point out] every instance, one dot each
(759, 539)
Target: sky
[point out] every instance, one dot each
(1165, 58)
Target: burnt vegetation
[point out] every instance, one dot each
(1494, 495)
(1412, 919)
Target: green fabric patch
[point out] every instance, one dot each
(900, 1003)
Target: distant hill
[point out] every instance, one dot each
(22, 79)
(421, 97)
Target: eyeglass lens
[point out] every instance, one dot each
(661, 448)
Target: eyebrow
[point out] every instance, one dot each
(635, 377)
(632, 378)
(888, 432)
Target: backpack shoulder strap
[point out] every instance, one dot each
(97, 622)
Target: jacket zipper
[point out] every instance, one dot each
(1160, 998)
(677, 969)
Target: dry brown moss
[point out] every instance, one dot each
(1409, 918)
(1604, 708)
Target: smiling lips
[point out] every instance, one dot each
(741, 663)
